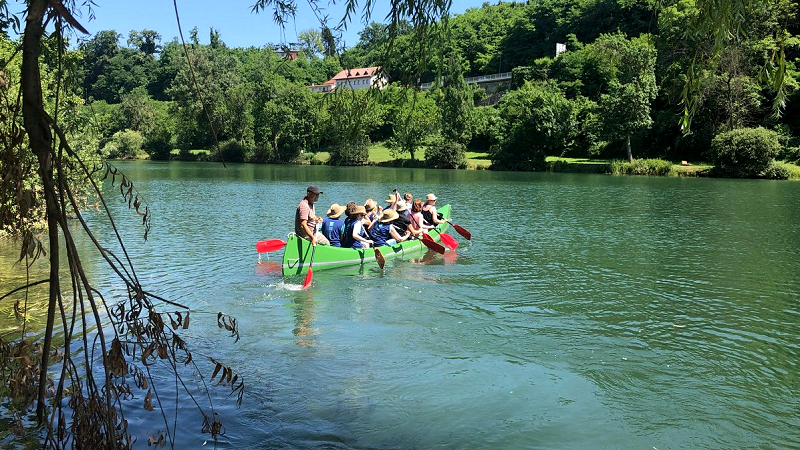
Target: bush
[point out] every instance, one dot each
(159, 144)
(443, 154)
(350, 153)
(231, 151)
(653, 167)
(744, 152)
(124, 144)
(776, 171)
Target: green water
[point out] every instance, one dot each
(588, 311)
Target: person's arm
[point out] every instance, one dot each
(357, 234)
(397, 237)
(435, 215)
(310, 230)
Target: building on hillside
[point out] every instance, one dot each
(291, 52)
(360, 78)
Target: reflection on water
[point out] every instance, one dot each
(611, 312)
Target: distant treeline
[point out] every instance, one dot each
(617, 92)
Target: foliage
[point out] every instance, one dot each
(231, 151)
(446, 154)
(158, 143)
(744, 152)
(285, 120)
(350, 116)
(652, 167)
(777, 171)
(415, 121)
(125, 144)
(536, 121)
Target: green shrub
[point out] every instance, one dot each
(776, 171)
(231, 151)
(653, 167)
(744, 152)
(158, 144)
(443, 154)
(350, 153)
(124, 144)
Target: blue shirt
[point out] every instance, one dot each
(332, 229)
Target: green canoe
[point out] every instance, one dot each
(297, 253)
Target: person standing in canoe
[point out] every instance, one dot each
(333, 224)
(306, 220)
(429, 211)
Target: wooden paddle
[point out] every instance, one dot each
(379, 258)
(269, 245)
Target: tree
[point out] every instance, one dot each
(311, 43)
(147, 41)
(536, 121)
(416, 120)
(625, 108)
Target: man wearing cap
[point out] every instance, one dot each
(306, 220)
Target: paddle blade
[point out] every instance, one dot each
(448, 241)
(307, 281)
(270, 245)
(310, 274)
(379, 257)
(462, 231)
(435, 246)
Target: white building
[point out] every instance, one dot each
(360, 78)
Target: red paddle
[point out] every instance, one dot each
(431, 244)
(269, 245)
(310, 274)
(448, 241)
(461, 230)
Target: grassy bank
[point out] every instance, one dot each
(380, 155)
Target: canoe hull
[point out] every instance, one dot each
(297, 254)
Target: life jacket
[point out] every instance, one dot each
(381, 233)
(347, 239)
(332, 229)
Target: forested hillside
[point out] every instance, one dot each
(619, 91)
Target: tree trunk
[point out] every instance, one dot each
(628, 144)
(41, 140)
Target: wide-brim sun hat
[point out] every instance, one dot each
(335, 211)
(370, 204)
(430, 197)
(388, 216)
(390, 198)
(359, 210)
(401, 206)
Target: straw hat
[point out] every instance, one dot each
(401, 206)
(390, 198)
(388, 216)
(430, 197)
(335, 211)
(370, 204)
(358, 210)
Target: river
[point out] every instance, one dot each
(589, 311)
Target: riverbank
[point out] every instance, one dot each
(380, 155)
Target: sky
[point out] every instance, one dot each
(237, 25)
